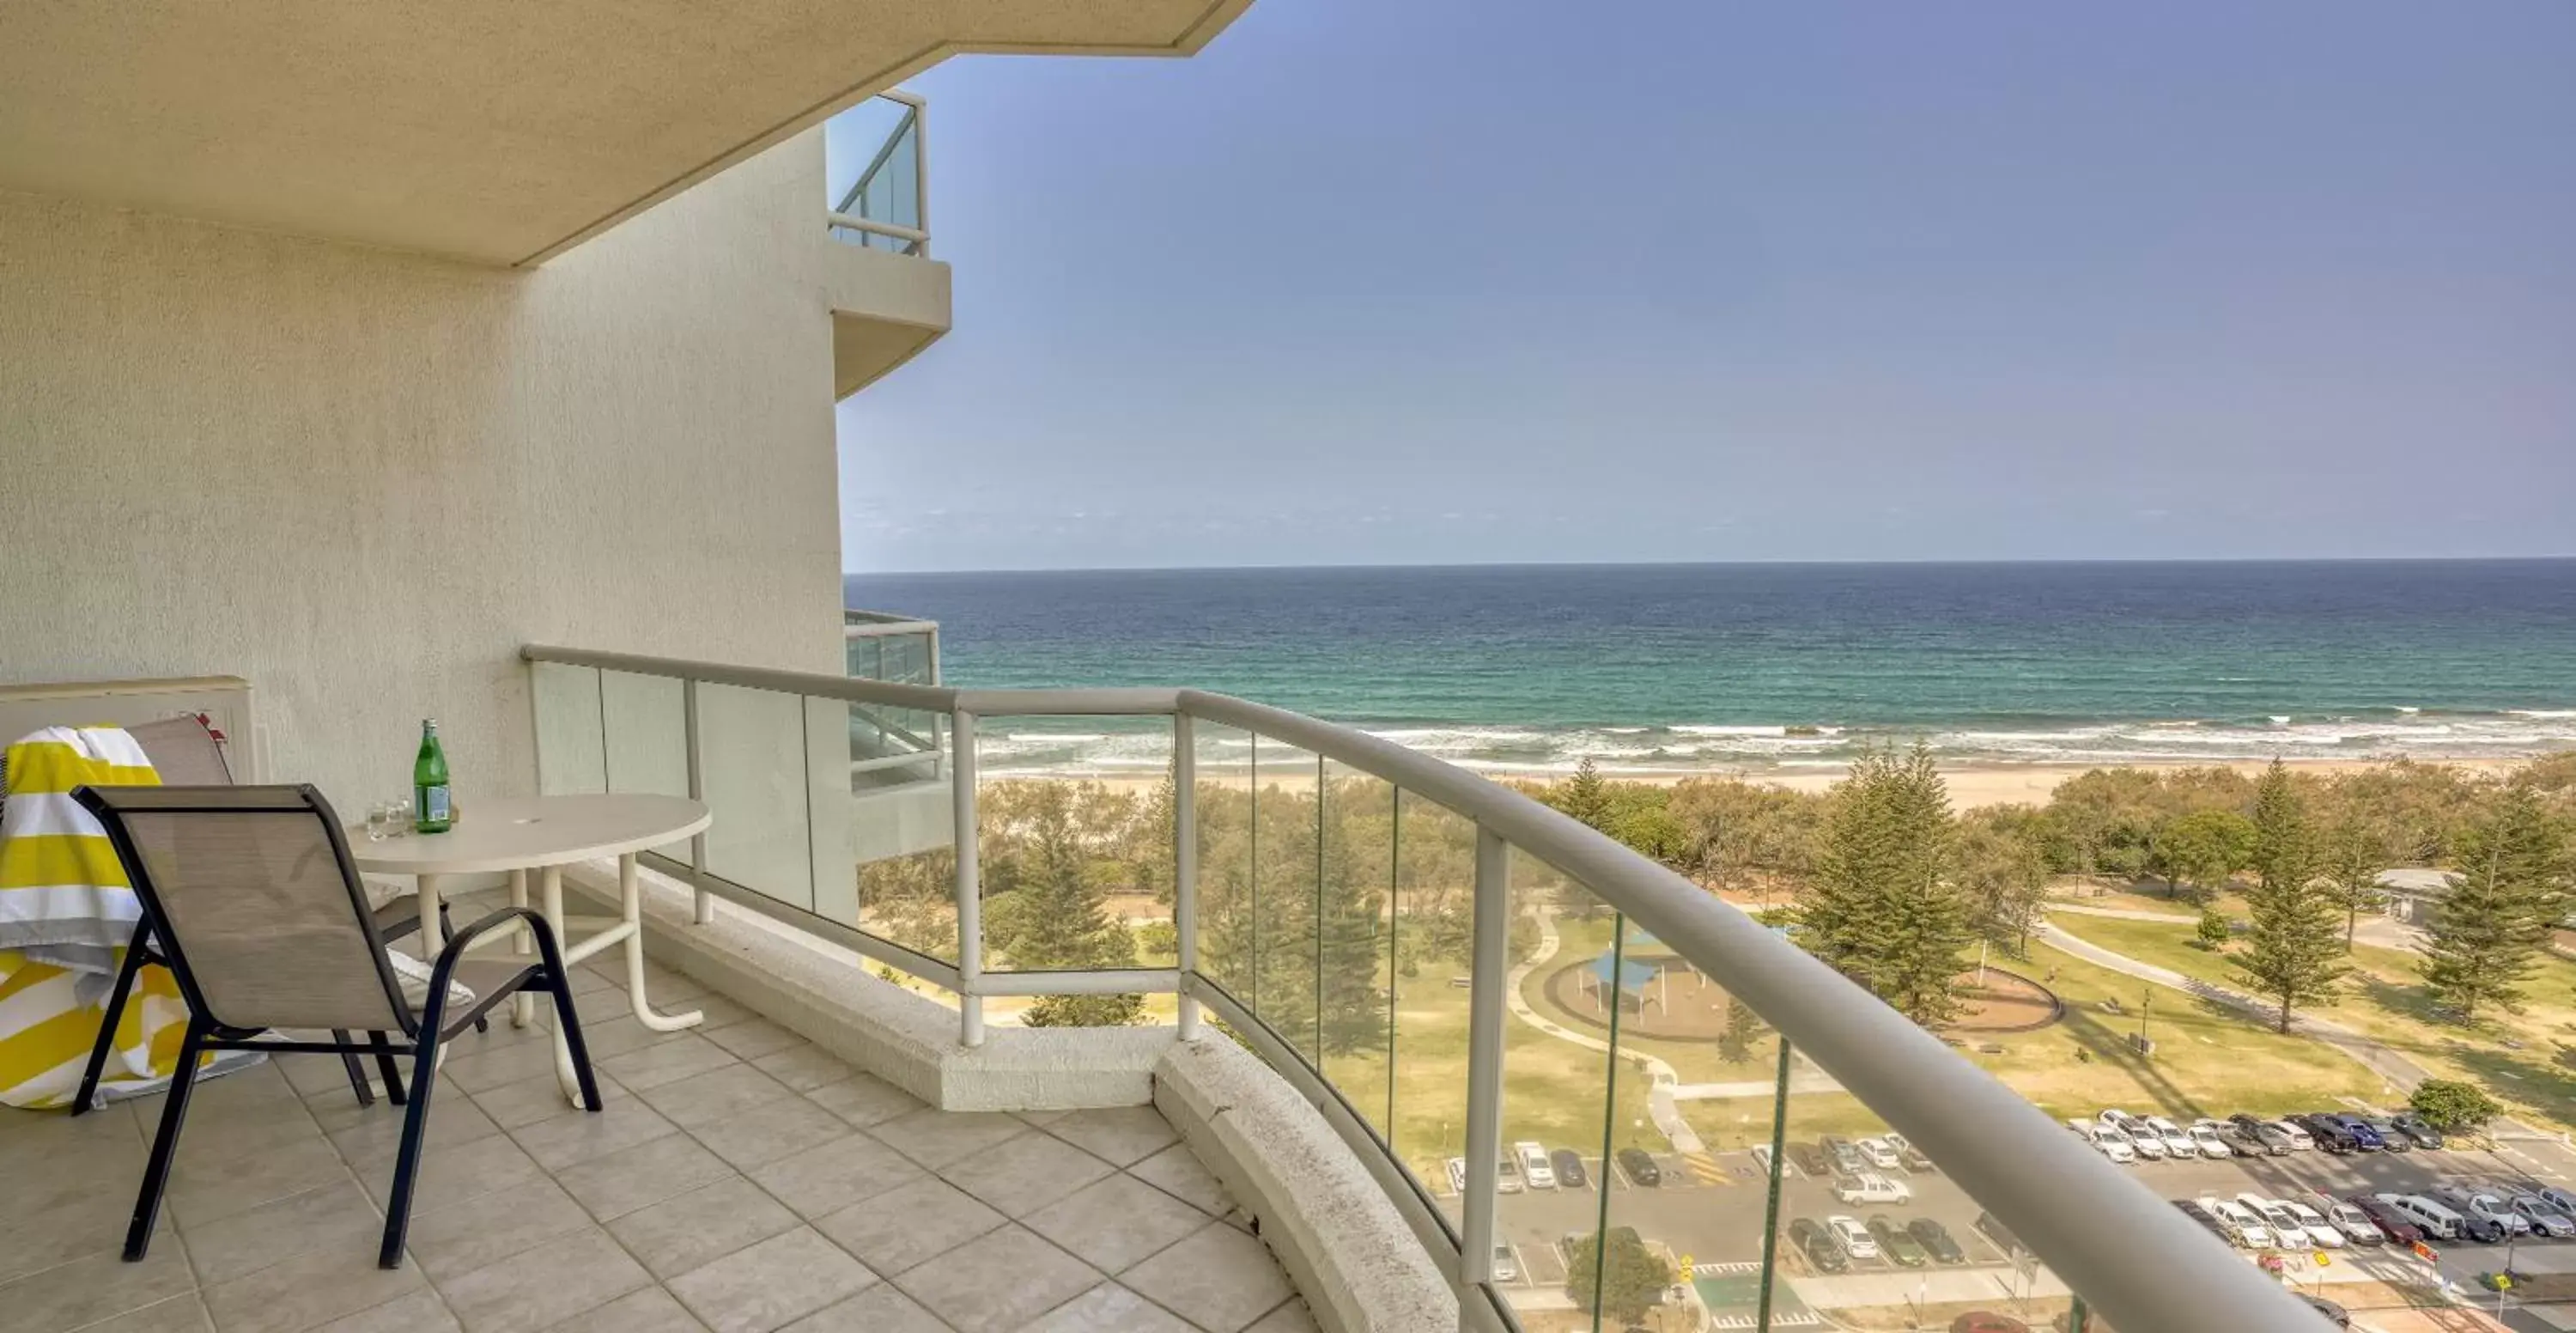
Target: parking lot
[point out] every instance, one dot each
(1711, 1211)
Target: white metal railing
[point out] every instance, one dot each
(2126, 1253)
(888, 205)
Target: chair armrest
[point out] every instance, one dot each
(435, 1011)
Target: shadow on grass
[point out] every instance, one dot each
(2112, 1048)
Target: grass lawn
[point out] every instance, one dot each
(2527, 1060)
(2149, 896)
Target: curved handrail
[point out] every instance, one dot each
(2131, 1256)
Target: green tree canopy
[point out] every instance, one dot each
(2508, 896)
(2449, 1105)
(2203, 849)
(1882, 907)
(1629, 1278)
(2294, 951)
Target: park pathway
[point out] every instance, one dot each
(1662, 1078)
(2400, 1070)
(2123, 913)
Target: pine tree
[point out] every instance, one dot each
(2351, 857)
(2501, 908)
(1881, 908)
(1585, 796)
(2293, 951)
(1056, 919)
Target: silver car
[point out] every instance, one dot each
(2545, 1219)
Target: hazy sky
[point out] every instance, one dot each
(1393, 281)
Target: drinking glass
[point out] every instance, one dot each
(402, 818)
(379, 817)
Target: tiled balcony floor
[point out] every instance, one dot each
(739, 1180)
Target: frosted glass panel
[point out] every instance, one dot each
(570, 754)
(752, 762)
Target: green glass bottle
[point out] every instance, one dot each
(432, 812)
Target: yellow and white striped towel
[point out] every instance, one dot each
(66, 913)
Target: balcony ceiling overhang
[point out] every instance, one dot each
(496, 131)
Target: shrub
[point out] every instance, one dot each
(2449, 1105)
(2212, 930)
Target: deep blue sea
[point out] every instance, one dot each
(1771, 665)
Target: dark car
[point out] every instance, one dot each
(1818, 1245)
(2390, 1222)
(2330, 1134)
(2364, 1135)
(1935, 1240)
(1569, 1169)
(1997, 1232)
(1845, 1154)
(2417, 1128)
(2242, 1142)
(2335, 1314)
(2391, 1138)
(1810, 1160)
(1640, 1167)
(2264, 1132)
(1897, 1243)
(2203, 1216)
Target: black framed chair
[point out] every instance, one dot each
(263, 921)
(184, 753)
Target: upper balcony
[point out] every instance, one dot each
(889, 298)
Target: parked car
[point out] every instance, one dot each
(1844, 1154)
(1641, 1169)
(2109, 1142)
(1457, 1175)
(1534, 1165)
(2210, 1142)
(1871, 1187)
(2329, 1133)
(2356, 1226)
(2206, 1218)
(1936, 1241)
(2000, 1234)
(2391, 1138)
(2417, 1128)
(2476, 1204)
(2562, 1200)
(2335, 1314)
(2287, 1231)
(2275, 1140)
(1818, 1245)
(2118, 1119)
(2178, 1142)
(2321, 1235)
(2432, 1218)
(2243, 1226)
(2368, 1133)
(2147, 1144)
(1507, 1264)
(1569, 1169)
(2364, 1133)
(1852, 1236)
(2300, 1139)
(1896, 1242)
(1507, 1175)
(2545, 1220)
(2393, 1223)
(1880, 1154)
(1907, 1153)
(2242, 1141)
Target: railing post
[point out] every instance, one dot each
(703, 906)
(1185, 863)
(970, 915)
(1771, 1190)
(1491, 960)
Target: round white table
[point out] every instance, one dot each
(518, 834)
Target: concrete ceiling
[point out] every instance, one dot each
(498, 131)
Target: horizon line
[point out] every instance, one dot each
(1928, 562)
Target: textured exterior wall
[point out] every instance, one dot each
(363, 480)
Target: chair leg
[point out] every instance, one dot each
(573, 1044)
(447, 930)
(385, 1065)
(424, 1079)
(156, 1172)
(99, 1050)
(357, 1073)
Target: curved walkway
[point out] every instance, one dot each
(1661, 1077)
(2374, 1055)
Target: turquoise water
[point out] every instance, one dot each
(1791, 666)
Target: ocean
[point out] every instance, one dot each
(1786, 667)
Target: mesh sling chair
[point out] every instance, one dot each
(184, 754)
(265, 925)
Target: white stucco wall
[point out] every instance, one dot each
(362, 480)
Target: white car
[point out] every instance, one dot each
(2148, 1144)
(2300, 1139)
(1871, 1187)
(1852, 1236)
(2119, 1119)
(2320, 1235)
(2204, 1136)
(2287, 1231)
(2178, 1144)
(2355, 1225)
(2109, 1142)
(1457, 1175)
(2249, 1229)
(1881, 1154)
(1534, 1166)
(1507, 1265)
